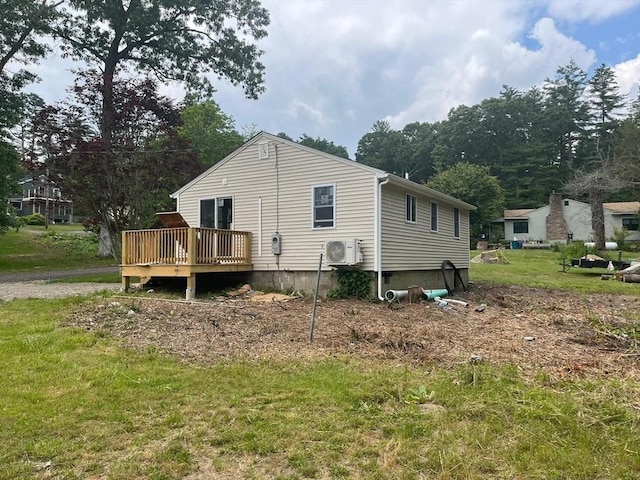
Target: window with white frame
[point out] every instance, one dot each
(434, 216)
(456, 222)
(411, 208)
(324, 206)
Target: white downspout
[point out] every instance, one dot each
(377, 232)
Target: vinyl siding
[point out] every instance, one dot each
(413, 246)
(247, 179)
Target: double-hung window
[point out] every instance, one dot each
(324, 206)
(456, 222)
(434, 217)
(411, 208)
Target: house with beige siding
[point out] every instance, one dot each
(298, 203)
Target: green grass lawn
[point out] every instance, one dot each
(74, 404)
(543, 269)
(50, 250)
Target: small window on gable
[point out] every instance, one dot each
(456, 222)
(434, 217)
(521, 227)
(324, 206)
(411, 207)
(566, 203)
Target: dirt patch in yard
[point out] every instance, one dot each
(563, 334)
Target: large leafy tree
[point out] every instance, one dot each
(173, 40)
(628, 149)
(318, 143)
(567, 113)
(209, 131)
(324, 146)
(22, 22)
(148, 159)
(179, 40)
(383, 148)
(475, 185)
(599, 177)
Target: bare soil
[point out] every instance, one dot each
(562, 334)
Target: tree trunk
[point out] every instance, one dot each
(597, 220)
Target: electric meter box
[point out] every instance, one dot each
(276, 244)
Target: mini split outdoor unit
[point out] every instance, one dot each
(343, 252)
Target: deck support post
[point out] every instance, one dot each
(191, 287)
(126, 283)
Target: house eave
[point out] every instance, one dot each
(429, 192)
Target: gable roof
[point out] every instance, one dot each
(622, 208)
(381, 174)
(517, 213)
(616, 208)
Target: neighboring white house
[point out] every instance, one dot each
(298, 203)
(565, 218)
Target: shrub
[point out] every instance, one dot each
(351, 284)
(574, 250)
(620, 237)
(35, 219)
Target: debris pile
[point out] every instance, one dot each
(491, 256)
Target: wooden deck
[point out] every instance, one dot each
(183, 252)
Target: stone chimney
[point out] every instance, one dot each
(556, 225)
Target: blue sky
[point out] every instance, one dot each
(335, 67)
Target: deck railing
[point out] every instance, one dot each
(188, 246)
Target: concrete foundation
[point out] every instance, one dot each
(305, 282)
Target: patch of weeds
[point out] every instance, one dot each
(420, 395)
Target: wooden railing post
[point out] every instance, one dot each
(192, 248)
(247, 247)
(125, 248)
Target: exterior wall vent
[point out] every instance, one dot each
(263, 150)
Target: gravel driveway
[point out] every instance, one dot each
(51, 284)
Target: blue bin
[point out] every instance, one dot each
(515, 244)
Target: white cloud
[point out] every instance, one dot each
(334, 67)
(591, 10)
(628, 77)
(487, 62)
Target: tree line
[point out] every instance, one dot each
(574, 134)
(118, 147)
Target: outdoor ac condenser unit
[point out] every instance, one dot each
(342, 252)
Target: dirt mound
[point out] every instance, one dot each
(557, 332)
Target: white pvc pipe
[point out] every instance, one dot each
(393, 295)
(377, 227)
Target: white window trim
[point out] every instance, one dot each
(415, 209)
(431, 216)
(335, 205)
(215, 209)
